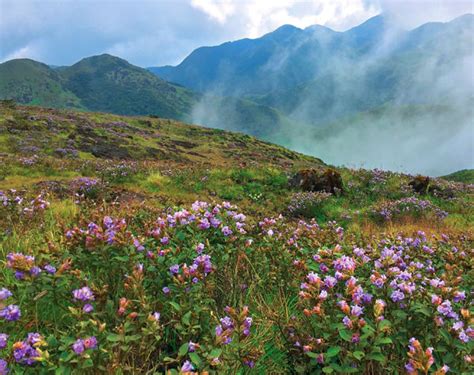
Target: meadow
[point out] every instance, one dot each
(207, 261)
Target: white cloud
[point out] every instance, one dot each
(218, 10)
(157, 32)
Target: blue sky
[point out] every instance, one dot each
(159, 32)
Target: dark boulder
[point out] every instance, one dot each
(327, 180)
(420, 184)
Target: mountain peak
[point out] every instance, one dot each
(283, 32)
(102, 60)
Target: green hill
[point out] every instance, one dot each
(465, 176)
(30, 82)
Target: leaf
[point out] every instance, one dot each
(358, 354)
(87, 363)
(379, 357)
(333, 351)
(186, 319)
(113, 337)
(132, 338)
(383, 341)
(328, 370)
(215, 353)
(175, 305)
(183, 349)
(345, 335)
(312, 355)
(195, 359)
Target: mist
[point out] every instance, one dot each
(374, 97)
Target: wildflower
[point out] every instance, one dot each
(84, 294)
(187, 367)
(397, 296)
(226, 231)
(246, 325)
(4, 294)
(199, 248)
(459, 296)
(3, 367)
(50, 269)
(192, 346)
(356, 310)
(446, 309)
(35, 271)
(347, 322)
(355, 338)
(166, 290)
(10, 313)
(88, 308)
(78, 346)
(155, 316)
(3, 340)
(174, 269)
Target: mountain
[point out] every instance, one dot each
(110, 84)
(28, 81)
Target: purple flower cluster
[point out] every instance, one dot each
(410, 205)
(81, 345)
(27, 352)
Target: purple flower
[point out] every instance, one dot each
(174, 269)
(78, 346)
(35, 271)
(187, 367)
(156, 316)
(249, 363)
(347, 321)
(10, 313)
(90, 342)
(226, 231)
(34, 338)
(50, 269)
(88, 308)
(166, 290)
(330, 281)
(3, 340)
(446, 309)
(84, 294)
(200, 248)
(3, 367)
(397, 296)
(357, 310)
(459, 296)
(191, 346)
(4, 294)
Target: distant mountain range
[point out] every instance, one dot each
(315, 90)
(317, 74)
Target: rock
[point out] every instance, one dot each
(328, 180)
(420, 184)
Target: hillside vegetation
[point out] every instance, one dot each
(145, 245)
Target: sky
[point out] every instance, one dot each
(161, 32)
